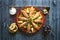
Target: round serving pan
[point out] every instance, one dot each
(23, 29)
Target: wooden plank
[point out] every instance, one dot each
(46, 3)
(28, 3)
(20, 3)
(51, 21)
(58, 20)
(38, 2)
(5, 22)
(55, 21)
(0, 29)
(0, 23)
(0, 19)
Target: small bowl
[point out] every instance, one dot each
(12, 11)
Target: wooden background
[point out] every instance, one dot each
(54, 19)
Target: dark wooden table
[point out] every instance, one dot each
(53, 20)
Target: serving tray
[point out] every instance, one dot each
(19, 35)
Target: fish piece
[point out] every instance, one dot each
(40, 18)
(35, 26)
(38, 21)
(24, 13)
(31, 11)
(23, 24)
(20, 21)
(22, 18)
(28, 28)
(36, 15)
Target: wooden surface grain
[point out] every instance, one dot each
(53, 19)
